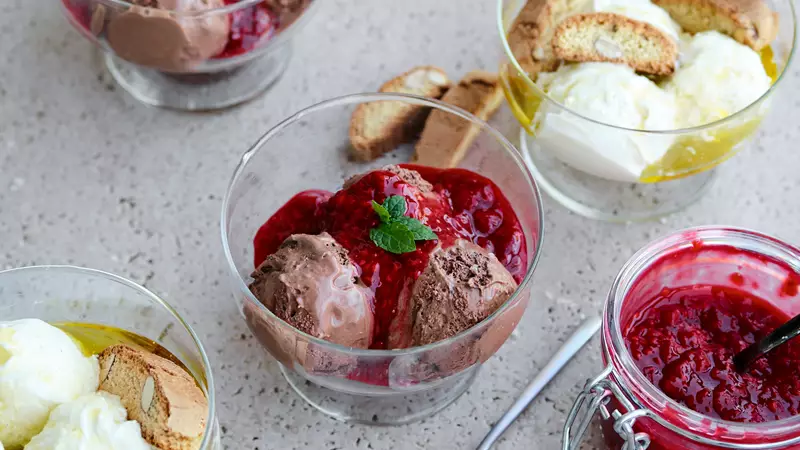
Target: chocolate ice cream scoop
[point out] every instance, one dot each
(412, 177)
(461, 286)
(292, 350)
(153, 33)
(311, 284)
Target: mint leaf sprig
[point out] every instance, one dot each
(398, 233)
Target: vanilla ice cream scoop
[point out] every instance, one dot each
(41, 367)
(611, 94)
(95, 421)
(717, 77)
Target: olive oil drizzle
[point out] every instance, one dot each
(93, 339)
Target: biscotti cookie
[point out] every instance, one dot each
(165, 400)
(446, 137)
(380, 126)
(750, 22)
(610, 37)
(531, 34)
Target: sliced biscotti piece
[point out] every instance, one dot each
(378, 127)
(610, 37)
(160, 395)
(446, 137)
(531, 34)
(750, 22)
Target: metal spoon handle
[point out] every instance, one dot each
(575, 342)
(780, 336)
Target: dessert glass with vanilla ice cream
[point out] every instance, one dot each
(628, 106)
(192, 54)
(365, 333)
(68, 335)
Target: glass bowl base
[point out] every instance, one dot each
(607, 200)
(200, 91)
(373, 407)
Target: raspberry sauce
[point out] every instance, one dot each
(249, 27)
(684, 343)
(462, 205)
(80, 11)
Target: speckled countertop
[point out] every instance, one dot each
(89, 176)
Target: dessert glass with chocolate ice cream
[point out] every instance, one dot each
(382, 287)
(627, 107)
(132, 337)
(192, 54)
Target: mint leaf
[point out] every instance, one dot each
(382, 212)
(396, 232)
(393, 237)
(420, 231)
(396, 205)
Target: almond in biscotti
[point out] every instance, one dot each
(166, 401)
(610, 37)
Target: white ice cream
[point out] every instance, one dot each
(94, 421)
(40, 368)
(612, 94)
(643, 11)
(717, 77)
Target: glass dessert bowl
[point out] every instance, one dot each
(614, 142)
(87, 357)
(357, 332)
(192, 55)
(677, 313)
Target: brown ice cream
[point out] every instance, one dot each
(461, 286)
(149, 34)
(292, 350)
(502, 326)
(312, 285)
(412, 177)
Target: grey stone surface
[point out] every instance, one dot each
(89, 176)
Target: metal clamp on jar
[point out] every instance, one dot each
(595, 398)
(634, 413)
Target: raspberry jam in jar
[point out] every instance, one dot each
(676, 315)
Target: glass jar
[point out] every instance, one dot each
(635, 414)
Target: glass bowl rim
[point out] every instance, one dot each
(208, 435)
(361, 98)
(666, 132)
(629, 273)
(197, 13)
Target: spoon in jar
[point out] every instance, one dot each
(780, 336)
(575, 342)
